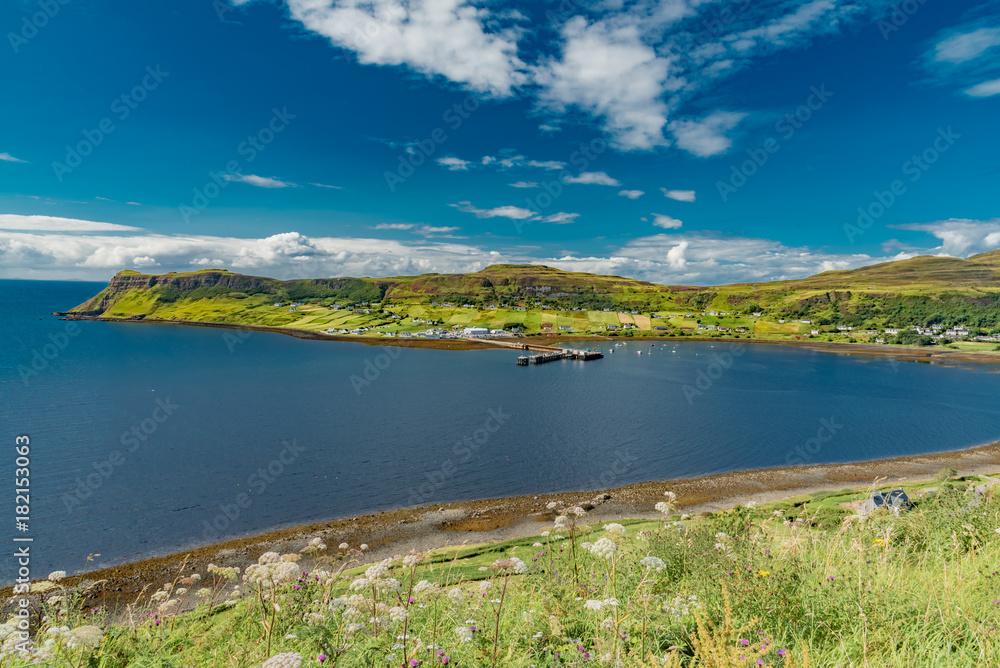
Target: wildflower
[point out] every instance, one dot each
(85, 637)
(224, 572)
(544, 534)
(671, 497)
(614, 527)
(744, 642)
(484, 586)
(513, 564)
(603, 548)
(159, 595)
(552, 505)
(997, 530)
(284, 660)
(751, 504)
(593, 604)
(56, 576)
(343, 546)
(578, 511)
(168, 606)
(779, 513)
(315, 619)
(398, 613)
(269, 558)
(763, 574)
(455, 594)
(878, 541)
(537, 545)
(652, 562)
(364, 546)
(608, 624)
(423, 586)
(464, 633)
(411, 560)
(662, 507)
(291, 557)
(321, 658)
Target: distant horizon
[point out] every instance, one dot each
(526, 264)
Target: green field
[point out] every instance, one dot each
(917, 292)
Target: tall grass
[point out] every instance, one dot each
(803, 583)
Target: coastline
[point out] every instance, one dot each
(425, 527)
(874, 351)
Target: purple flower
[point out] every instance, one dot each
(321, 658)
(744, 642)
(782, 652)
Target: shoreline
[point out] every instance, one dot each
(429, 526)
(899, 353)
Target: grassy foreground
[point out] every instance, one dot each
(803, 582)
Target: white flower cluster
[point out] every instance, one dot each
(284, 660)
(614, 527)
(411, 560)
(663, 508)
(681, 606)
(269, 558)
(512, 564)
(398, 613)
(273, 572)
(315, 545)
(56, 576)
(224, 572)
(652, 562)
(598, 605)
(603, 548)
(464, 633)
(456, 595)
(423, 586)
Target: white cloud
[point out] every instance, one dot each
(593, 178)
(144, 261)
(430, 229)
(679, 195)
(323, 185)
(546, 164)
(560, 218)
(7, 157)
(960, 237)
(631, 194)
(259, 181)
(666, 222)
(395, 226)
(523, 184)
(676, 258)
(966, 46)
(453, 164)
(707, 136)
(984, 89)
(512, 212)
(607, 70)
(454, 39)
(10, 221)
(628, 66)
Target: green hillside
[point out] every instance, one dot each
(854, 305)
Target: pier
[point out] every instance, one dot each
(559, 354)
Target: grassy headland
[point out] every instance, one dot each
(804, 581)
(923, 301)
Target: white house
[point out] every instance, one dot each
(475, 331)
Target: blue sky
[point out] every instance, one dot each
(682, 141)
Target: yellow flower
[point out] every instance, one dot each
(763, 574)
(878, 541)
